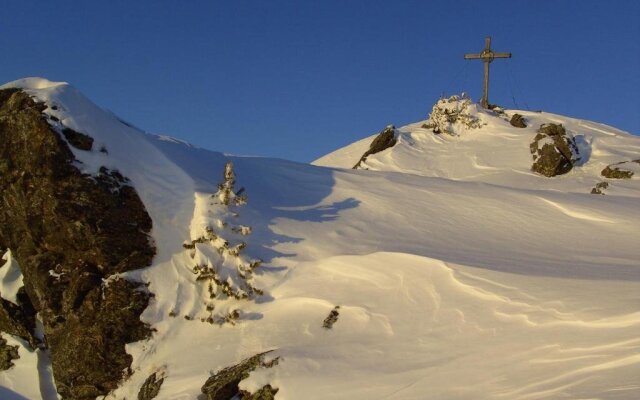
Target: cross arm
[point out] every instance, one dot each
(472, 56)
(501, 55)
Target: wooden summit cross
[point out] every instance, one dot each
(487, 55)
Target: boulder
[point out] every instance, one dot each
(151, 387)
(554, 151)
(518, 121)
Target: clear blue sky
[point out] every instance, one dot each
(297, 79)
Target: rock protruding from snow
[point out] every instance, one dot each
(554, 150)
(453, 115)
(224, 384)
(385, 139)
(621, 170)
(78, 140)
(8, 353)
(518, 121)
(151, 386)
(332, 318)
(599, 188)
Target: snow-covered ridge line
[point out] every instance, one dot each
(493, 151)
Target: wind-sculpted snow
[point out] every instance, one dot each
(458, 272)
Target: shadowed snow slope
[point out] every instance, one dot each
(459, 273)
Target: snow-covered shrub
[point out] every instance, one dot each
(453, 115)
(217, 250)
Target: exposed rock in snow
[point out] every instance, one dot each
(554, 151)
(78, 140)
(384, 140)
(621, 170)
(8, 354)
(224, 384)
(332, 318)
(599, 188)
(518, 121)
(151, 387)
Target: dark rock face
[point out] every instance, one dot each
(384, 140)
(69, 232)
(518, 121)
(224, 384)
(151, 387)
(554, 151)
(618, 170)
(7, 355)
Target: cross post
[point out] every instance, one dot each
(487, 56)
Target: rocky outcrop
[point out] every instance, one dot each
(554, 151)
(518, 121)
(621, 170)
(384, 140)
(224, 384)
(71, 233)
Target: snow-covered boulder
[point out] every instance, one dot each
(554, 150)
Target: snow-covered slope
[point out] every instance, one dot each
(459, 274)
(499, 153)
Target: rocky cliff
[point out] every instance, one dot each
(71, 234)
